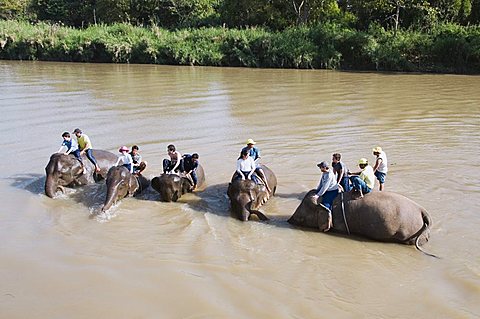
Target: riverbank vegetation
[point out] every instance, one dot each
(390, 35)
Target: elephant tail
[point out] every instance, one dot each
(424, 231)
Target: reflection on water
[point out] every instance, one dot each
(191, 258)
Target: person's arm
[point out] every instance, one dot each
(377, 164)
(257, 160)
(131, 162)
(322, 186)
(118, 161)
(239, 168)
(179, 158)
(61, 150)
(340, 174)
(252, 168)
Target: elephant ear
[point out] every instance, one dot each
(186, 185)
(133, 185)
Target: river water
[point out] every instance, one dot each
(190, 259)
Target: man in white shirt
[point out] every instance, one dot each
(380, 169)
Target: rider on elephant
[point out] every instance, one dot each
(175, 162)
(138, 165)
(125, 158)
(85, 146)
(363, 181)
(190, 165)
(70, 146)
(328, 189)
(246, 166)
(254, 153)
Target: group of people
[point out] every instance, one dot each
(340, 179)
(186, 164)
(130, 158)
(82, 145)
(333, 181)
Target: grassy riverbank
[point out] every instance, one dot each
(446, 48)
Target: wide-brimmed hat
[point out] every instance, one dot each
(250, 141)
(123, 149)
(377, 149)
(362, 161)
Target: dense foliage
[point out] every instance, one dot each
(271, 14)
(447, 48)
(396, 35)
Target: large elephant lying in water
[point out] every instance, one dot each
(65, 170)
(121, 183)
(246, 197)
(382, 216)
(172, 186)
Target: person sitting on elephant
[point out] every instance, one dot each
(125, 159)
(175, 163)
(138, 165)
(190, 165)
(380, 169)
(85, 146)
(340, 170)
(70, 146)
(254, 153)
(246, 166)
(363, 181)
(328, 189)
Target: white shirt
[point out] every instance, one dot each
(328, 182)
(382, 168)
(246, 165)
(125, 159)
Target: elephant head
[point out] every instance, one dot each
(120, 183)
(62, 170)
(310, 214)
(246, 197)
(171, 186)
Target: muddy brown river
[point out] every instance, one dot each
(190, 259)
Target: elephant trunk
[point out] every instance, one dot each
(110, 199)
(50, 186)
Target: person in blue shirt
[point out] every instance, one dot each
(254, 153)
(190, 165)
(70, 146)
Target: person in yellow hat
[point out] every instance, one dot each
(364, 180)
(380, 169)
(254, 153)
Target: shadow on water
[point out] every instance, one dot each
(33, 183)
(213, 199)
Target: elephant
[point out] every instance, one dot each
(246, 196)
(121, 183)
(65, 170)
(382, 216)
(172, 186)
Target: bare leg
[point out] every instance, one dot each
(381, 187)
(262, 176)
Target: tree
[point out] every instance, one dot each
(10, 9)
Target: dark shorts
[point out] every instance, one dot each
(381, 176)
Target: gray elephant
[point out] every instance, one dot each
(382, 216)
(246, 197)
(172, 186)
(65, 170)
(121, 183)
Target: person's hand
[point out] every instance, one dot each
(340, 189)
(315, 197)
